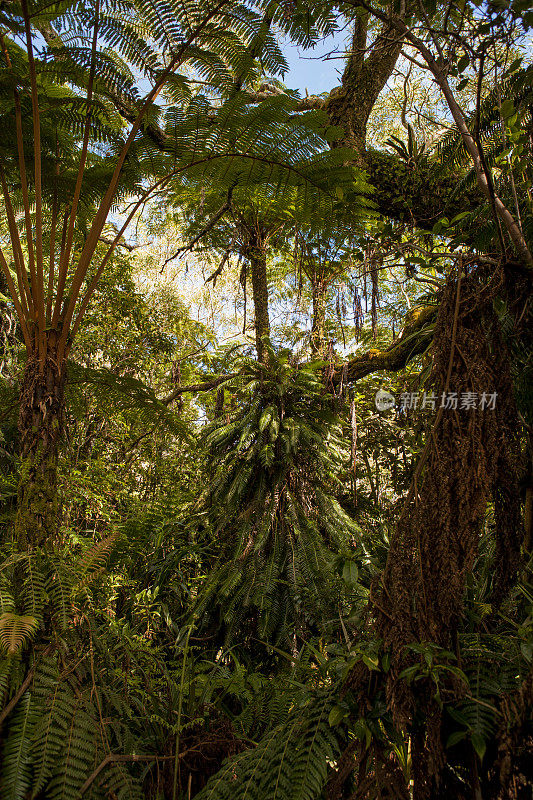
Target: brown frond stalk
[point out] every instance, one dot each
(66, 250)
(105, 205)
(38, 289)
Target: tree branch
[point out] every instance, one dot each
(219, 214)
(394, 358)
(196, 388)
(14, 700)
(109, 241)
(114, 757)
(439, 74)
(268, 90)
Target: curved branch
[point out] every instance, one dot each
(394, 358)
(311, 102)
(123, 758)
(196, 388)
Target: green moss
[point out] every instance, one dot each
(38, 506)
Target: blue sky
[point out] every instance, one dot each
(309, 69)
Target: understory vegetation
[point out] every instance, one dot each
(266, 400)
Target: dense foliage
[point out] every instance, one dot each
(266, 406)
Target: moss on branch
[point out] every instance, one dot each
(411, 343)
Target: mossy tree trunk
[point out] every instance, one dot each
(255, 251)
(40, 427)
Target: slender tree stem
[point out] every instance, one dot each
(94, 282)
(53, 228)
(18, 256)
(66, 250)
(38, 290)
(23, 176)
(21, 314)
(105, 205)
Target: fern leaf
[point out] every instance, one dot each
(16, 755)
(15, 631)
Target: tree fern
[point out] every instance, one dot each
(271, 500)
(290, 763)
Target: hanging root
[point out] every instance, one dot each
(471, 457)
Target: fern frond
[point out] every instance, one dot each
(95, 557)
(289, 763)
(16, 752)
(16, 631)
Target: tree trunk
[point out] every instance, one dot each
(256, 253)
(40, 420)
(350, 104)
(318, 329)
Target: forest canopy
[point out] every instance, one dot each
(266, 400)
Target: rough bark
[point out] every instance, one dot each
(40, 418)
(349, 105)
(473, 148)
(255, 252)
(400, 193)
(470, 459)
(418, 193)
